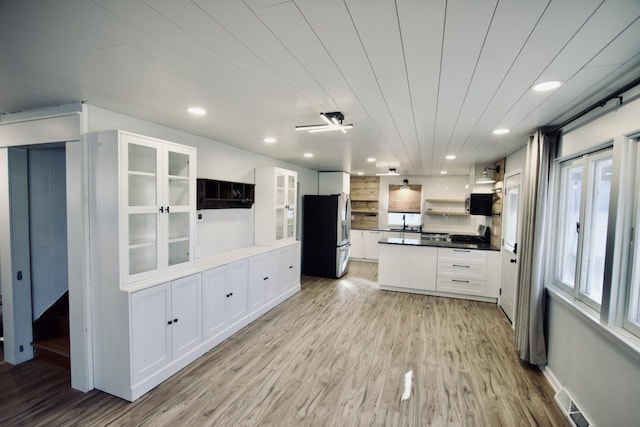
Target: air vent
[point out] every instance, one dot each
(571, 410)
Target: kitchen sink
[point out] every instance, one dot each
(435, 237)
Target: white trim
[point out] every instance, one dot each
(551, 378)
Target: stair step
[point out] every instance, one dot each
(55, 351)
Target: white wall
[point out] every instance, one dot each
(450, 187)
(221, 229)
(602, 376)
(516, 161)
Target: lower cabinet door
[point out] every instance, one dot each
(214, 300)
(150, 331)
(186, 326)
(258, 277)
(237, 286)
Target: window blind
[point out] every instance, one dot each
(404, 199)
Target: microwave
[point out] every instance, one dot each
(480, 204)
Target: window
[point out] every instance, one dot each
(583, 213)
(511, 217)
(412, 220)
(632, 310)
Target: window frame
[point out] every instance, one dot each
(632, 280)
(587, 161)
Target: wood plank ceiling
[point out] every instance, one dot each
(418, 79)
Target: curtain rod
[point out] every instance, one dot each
(600, 103)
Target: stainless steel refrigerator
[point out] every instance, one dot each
(326, 224)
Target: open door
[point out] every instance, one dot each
(509, 247)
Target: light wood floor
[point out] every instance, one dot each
(335, 354)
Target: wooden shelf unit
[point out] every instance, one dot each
(442, 206)
(365, 201)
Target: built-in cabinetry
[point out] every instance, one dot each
(145, 333)
(224, 296)
(142, 207)
(364, 244)
(468, 272)
(365, 196)
(454, 272)
(275, 207)
(166, 323)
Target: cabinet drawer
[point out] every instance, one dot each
(462, 270)
(461, 286)
(466, 256)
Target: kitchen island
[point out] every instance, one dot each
(439, 267)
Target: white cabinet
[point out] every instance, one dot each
(262, 279)
(142, 207)
(364, 244)
(224, 296)
(165, 324)
(275, 204)
(288, 268)
(468, 272)
(356, 238)
(408, 267)
(371, 246)
(145, 333)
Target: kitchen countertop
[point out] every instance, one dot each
(437, 243)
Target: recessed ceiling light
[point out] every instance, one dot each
(269, 140)
(547, 86)
(443, 172)
(371, 159)
(500, 131)
(360, 173)
(197, 111)
(308, 155)
(450, 157)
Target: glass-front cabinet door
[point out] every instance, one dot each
(158, 207)
(291, 206)
(178, 184)
(281, 208)
(142, 200)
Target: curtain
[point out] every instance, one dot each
(529, 325)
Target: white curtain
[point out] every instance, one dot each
(529, 325)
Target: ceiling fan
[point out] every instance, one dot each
(333, 122)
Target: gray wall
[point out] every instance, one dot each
(48, 227)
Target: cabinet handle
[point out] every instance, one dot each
(169, 322)
(291, 266)
(462, 250)
(167, 209)
(512, 261)
(265, 278)
(460, 281)
(231, 294)
(228, 295)
(175, 320)
(462, 266)
(161, 209)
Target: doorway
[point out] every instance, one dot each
(38, 230)
(509, 246)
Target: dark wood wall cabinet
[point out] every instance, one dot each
(216, 194)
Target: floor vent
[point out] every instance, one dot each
(570, 409)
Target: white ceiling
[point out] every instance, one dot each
(419, 79)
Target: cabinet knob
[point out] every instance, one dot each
(512, 261)
(169, 322)
(291, 266)
(175, 320)
(231, 294)
(265, 278)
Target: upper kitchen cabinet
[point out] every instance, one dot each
(275, 206)
(142, 207)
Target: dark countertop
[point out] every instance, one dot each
(437, 243)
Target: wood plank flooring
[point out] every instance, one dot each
(335, 354)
